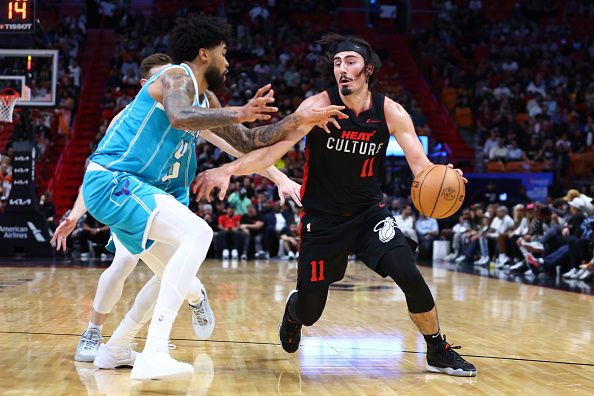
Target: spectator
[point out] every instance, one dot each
(239, 201)
(406, 222)
(289, 238)
(47, 208)
(498, 152)
(251, 225)
(94, 234)
(427, 231)
(229, 235)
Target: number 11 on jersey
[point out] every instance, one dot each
(317, 270)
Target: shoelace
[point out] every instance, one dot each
(292, 331)
(200, 313)
(89, 344)
(449, 348)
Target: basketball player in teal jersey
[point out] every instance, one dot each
(341, 195)
(111, 282)
(148, 149)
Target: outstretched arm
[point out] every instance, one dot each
(175, 90)
(245, 139)
(69, 224)
(314, 109)
(401, 126)
(286, 186)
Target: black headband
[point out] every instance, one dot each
(350, 46)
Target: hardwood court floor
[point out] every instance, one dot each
(524, 340)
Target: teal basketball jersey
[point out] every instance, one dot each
(143, 143)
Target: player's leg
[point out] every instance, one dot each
(302, 308)
(109, 291)
(398, 263)
(113, 353)
(176, 225)
(322, 261)
(116, 352)
(203, 319)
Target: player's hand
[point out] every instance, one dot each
(61, 234)
(459, 172)
(321, 116)
(211, 179)
(257, 108)
(289, 189)
(565, 232)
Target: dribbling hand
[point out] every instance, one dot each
(459, 172)
(257, 108)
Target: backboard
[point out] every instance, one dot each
(31, 72)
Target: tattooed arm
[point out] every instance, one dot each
(245, 139)
(175, 90)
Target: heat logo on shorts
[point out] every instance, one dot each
(386, 229)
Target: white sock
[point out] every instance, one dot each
(124, 334)
(159, 330)
(195, 295)
(94, 326)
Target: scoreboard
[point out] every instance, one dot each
(17, 16)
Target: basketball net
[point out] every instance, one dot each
(8, 98)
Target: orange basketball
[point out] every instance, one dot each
(438, 191)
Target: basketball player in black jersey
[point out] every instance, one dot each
(341, 199)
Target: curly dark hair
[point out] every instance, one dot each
(194, 32)
(330, 41)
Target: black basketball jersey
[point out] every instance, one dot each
(344, 170)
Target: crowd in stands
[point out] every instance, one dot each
(520, 86)
(45, 126)
(532, 237)
(267, 47)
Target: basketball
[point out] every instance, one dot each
(438, 191)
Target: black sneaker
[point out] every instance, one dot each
(289, 331)
(443, 359)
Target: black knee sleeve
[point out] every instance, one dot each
(307, 308)
(399, 264)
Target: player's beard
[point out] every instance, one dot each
(346, 91)
(214, 78)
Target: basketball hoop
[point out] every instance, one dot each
(8, 98)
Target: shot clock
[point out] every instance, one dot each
(17, 16)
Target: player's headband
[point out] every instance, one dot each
(350, 46)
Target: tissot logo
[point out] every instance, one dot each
(21, 170)
(22, 158)
(20, 182)
(19, 202)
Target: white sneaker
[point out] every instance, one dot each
(234, 254)
(460, 259)
(580, 273)
(450, 257)
(518, 266)
(291, 256)
(203, 319)
(89, 343)
(570, 274)
(225, 254)
(159, 365)
(243, 257)
(111, 358)
(482, 261)
(587, 274)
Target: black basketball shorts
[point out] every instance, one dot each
(327, 241)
